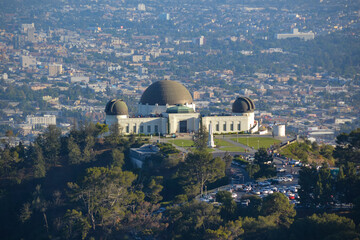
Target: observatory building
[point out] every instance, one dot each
(167, 107)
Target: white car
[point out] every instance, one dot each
(265, 191)
(256, 192)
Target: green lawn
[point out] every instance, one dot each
(221, 143)
(257, 141)
(187, 144)
(182, 142)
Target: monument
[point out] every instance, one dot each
(211, 143)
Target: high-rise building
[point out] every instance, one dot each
(28, 61)
(55, 69)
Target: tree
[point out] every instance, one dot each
(228, 205)
(38, 160)
(103, 195)
(75, 225)
(74, 152)
(278, 205)
(190, 220)
(259, 228)
(201, 138)
(231, 230)
(154, 188)
(324, 226)
(101, 128)
(252, 169)
(50, 144)
(200, 168)
(307, 180)
(228, 160)
(348, 147)
(117, 158)
(325, 180)
(262, 157)
(351, 182)
(114, 137)
(25, 212)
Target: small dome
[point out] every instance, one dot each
(243, 105)
(180, 109)
(116, 107)
(166, 92)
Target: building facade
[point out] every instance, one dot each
(166, 107)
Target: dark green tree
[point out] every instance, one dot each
(228, 205)
(278, 205)
(75, 225)
(201, 138)
(307, 181)
(201, 168)
(38, 160)
(348, 147)
(190, 220)
(262, 157)
(324, 226)
(74, 152)
(50, 144)
(231, 230)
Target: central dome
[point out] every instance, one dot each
(166, 92)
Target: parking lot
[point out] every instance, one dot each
(242, 188)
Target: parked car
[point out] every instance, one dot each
(265, 183)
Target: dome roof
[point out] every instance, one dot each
(166, 92)
(243, 105)
(180, 109)
(116, 107)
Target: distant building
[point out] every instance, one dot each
(25, 27)
(55, 69)
(296, 34)
(141, 7)
(140, 58)
(114, 68)
(164, 16)
(28, 61)
(139, 155)
(78, 79)
(5, 76)
(143, 71)
(38, 121)
(342, 120)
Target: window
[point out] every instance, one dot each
(156, 129)
(149, 129)
(224, 127)
(134, 129)
(217, 127)
(239, 127)
(127, 128)
(141, 129)
(231, 127)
